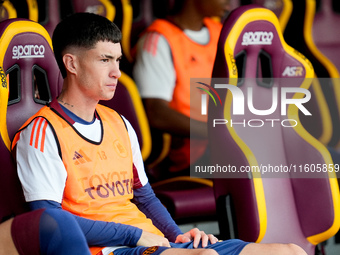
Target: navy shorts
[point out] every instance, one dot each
(230, 247)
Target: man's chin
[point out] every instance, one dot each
(108, 97)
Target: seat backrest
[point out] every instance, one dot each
(280, 206)
(282, 9)
(127, 102)
(49, 14)
(142, 17)
(299, 34)
(123, 19)
(30, 78)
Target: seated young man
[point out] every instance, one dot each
(82, 157)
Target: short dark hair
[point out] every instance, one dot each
(82, 30)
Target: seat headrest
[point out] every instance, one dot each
(252, 34)
(24, 41)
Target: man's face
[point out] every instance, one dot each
(98, 70)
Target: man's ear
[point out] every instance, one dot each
(70, 63)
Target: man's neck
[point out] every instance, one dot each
(188, 18)
(84, 110)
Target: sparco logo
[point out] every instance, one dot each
(28, 51)
(257, 38)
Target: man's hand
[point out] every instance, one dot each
(196, 235)
(148, 239)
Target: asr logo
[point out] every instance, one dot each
(293, 71)
(120, 149)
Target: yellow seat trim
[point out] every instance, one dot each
(308, 24)
(126, 29)
(12, 13)
(110, 9)
(33, 13)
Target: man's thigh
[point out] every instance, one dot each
(230, 247)
(140, 250)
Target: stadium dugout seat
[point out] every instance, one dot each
(324, 124)
(30, 78)
(281, 8)
(49, 14)
(321, 114)
(123, 19)
(143, 15)
(281, 206)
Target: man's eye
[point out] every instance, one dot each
(105, 60)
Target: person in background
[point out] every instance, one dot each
(169, 53)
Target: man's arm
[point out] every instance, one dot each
(149, 204)
(144, 197)
(162, 117)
